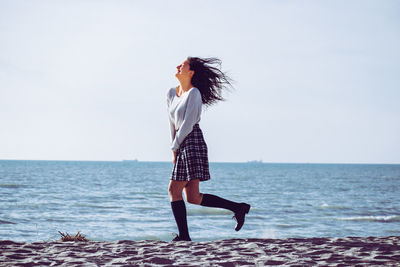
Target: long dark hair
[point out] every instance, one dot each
(208, 79)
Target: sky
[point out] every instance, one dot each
(315, 81)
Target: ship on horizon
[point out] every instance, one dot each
(130, 160)
(255, 161)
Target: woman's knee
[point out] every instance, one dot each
(175, 191)
(194, 198)
(172, 191)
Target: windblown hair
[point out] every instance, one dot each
(210, 80)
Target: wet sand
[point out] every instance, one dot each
(349, 251)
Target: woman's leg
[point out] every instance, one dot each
(175, 189)
(192, 192)
(178, 208)
(194, 196)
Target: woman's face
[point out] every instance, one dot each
(183, 70)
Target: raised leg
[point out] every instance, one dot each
(239, 209)
(192, 192)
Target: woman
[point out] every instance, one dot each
(199, 83)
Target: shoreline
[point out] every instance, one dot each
(323, 251)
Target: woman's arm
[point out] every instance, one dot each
(173, 157)
(171, 124)
(192, 116)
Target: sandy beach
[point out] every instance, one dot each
(350, 251)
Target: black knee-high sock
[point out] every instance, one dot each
(218, 202)
(179, 211)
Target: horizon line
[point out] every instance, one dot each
(248, 162)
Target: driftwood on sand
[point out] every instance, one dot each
(68, 237)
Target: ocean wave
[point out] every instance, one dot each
(334, 207)
(208, 211)
(56, 220)
(6, 222)
(285, 226)
(94, 206)
(386, 219)
(12, 185)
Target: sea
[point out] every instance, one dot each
(128, 200)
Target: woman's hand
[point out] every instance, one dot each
(173, 157)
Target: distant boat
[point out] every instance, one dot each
(130, 160)
(255, 161)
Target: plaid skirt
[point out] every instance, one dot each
(191, 158)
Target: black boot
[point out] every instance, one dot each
(239, 216)
(240, 209)
(179, 211)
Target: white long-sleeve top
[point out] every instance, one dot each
(184, 112)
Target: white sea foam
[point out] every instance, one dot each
(334, 207)
(268, 233)
(391, 218)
